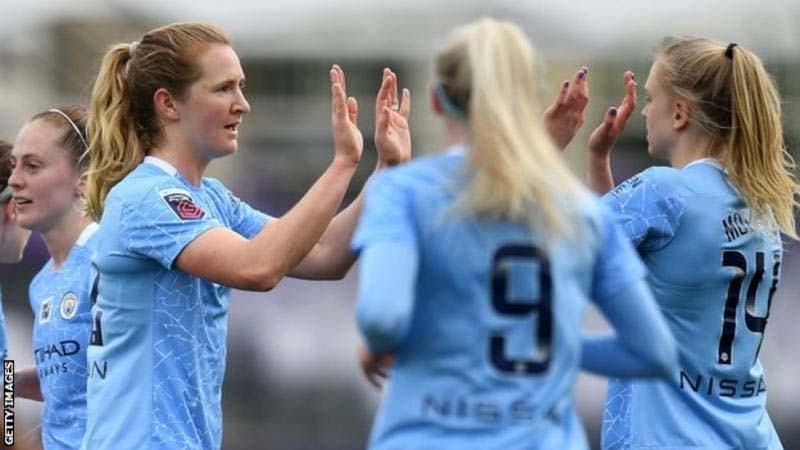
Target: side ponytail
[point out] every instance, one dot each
(114, 143)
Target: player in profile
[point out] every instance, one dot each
(50, 160)
(477, 265)
(708, 229)
(13, 238)
(172, 243)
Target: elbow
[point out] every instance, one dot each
(263, 280)
(664, 359)
(382, 332)
(341, 271)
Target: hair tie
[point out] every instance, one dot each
(132, 48)
(449, 107)
(729, 50)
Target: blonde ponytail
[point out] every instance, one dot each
(736, 104)
(114, 143)
(489, 68)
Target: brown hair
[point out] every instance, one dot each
(5, 163)
(73, 139)
(123, 125)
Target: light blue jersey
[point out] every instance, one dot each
(157, 356)
(492, 348)
(60, 300)
(713, 271)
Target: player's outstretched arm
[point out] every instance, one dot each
(222, 256)
(642, 346)
(598, 175)
(331, 258)
(564, 117)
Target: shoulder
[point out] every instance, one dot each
(143, 184)
(424, 171)
(660, 178)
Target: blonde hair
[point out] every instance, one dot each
(735, 102)
(487, 72)
(123, 125)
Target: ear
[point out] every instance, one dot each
(436, 103)
(681, 115)
(166, 105)
(80, 186)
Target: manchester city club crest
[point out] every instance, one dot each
(69, 306)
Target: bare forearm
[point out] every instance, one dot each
(598, 173)
(331, 258)
(26, 384)
(290, 238)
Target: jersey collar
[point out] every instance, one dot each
(87, 233)
(161, 164)
(711, 161)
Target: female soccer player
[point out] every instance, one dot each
(708, 229)
(172, 243)
(477, 265)
(13, 238)
(50, 160)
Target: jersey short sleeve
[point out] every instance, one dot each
(645, 209)
(387, 214)
(618, 265)
(242, 218)
(161, 225)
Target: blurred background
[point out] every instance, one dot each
(292, 380)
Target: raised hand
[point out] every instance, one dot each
(347, 139)
(565, 116)
(616, 118)
(392, 135)
(375, 367)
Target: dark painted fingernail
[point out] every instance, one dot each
(612, 112)
(581, 74)
(566, 84)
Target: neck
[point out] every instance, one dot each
(178, 154)
(455, 132)
(690, 147)
(60, 239)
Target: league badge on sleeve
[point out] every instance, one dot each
(182, 204)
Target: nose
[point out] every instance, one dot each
(644, 110)
(241, 106)
(15, 180)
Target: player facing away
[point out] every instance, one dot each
(477, 265)
(708, 229)
(172, 243)
(13, 238)
(50, 160)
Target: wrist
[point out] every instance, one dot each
(341, 163)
